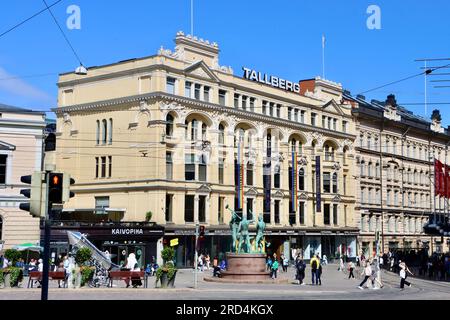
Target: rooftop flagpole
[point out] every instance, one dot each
(192, 17)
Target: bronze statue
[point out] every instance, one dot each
(234, 226)
(260, 227)
(244, 238)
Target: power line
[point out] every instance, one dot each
(28, 19)
(62, 32)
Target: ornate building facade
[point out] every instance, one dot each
(395, 151)
(183, 137)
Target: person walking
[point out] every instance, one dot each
(403, 275)
(300, 266)
(269, 263)
(351, 267)
(208, 261)
(367, 272)
(314, 263)
(285, 263)
(319, 274)
(341, 264)
(274, 267)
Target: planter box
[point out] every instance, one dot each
(165, 282)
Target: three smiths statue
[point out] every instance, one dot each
(260, 227)
(234, 226)
(244, 238)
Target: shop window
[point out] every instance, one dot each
(188, 208)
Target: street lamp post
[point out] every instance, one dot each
(197, 225)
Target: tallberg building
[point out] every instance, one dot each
(183, 137)
(395, 151)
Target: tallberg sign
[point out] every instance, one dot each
(271, 80)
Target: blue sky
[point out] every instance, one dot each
(277, 37)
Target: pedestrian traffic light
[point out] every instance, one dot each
(67, 182)
(202, 232)
(36, 205)
(55, 188)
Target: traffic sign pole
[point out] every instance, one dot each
(196, 256)
(47, 229)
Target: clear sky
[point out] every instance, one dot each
(282, 37)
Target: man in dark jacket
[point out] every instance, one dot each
(300, 265)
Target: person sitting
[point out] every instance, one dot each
(136, 282)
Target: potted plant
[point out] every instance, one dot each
(167, 273)
(148, 216)
(82, 271)
(12, 275)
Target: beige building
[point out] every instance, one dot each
(163, 134)
(394, 156)
(21, 133)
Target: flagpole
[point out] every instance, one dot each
(192, 17)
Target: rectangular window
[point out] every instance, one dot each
(250, 208)
(324, 121)
(296, 115)
(221, 209)
(170, 85)
(289, 113)
(313, 119)
(326, 182)
(277, 211)
(103, 167)
(345, 184)
(252, 104)
(221, 161)
(335, 214)
(264, 107)
(169, 166)
(249, 174)
(244, 102)
(278, 110)
(334, 124)
(169, 201)
(187, 89)
(206, 90)
(202, 208)
(326, 213)
(189, 208)
(344, 126)
(271, 106)
(101, 203)
(202, 168)
(3, 159)
(236, 100)
(96, 166)
(222, 97)
(302, 116)
(301, 213)
(197, 88)
(276, 177)
(189, 167)
(110, 166)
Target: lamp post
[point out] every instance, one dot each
(197, 225)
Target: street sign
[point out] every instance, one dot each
(174, 242)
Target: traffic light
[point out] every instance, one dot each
(37, 195)
(202, 232)
(55, 188)
(67, 182)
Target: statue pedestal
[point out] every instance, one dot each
(246, 266)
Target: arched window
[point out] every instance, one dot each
(377, 170)
(301, 179)
(221, 134)
(169, 125)
(369, 169)
(269, 142)
(329, 153)
(335, 182)
(194, 130)
(293, 145)
(239, 136)
(369, 141)
(362, 173)
(110, 138)
(204, 131)
(105, 131)
(97, 136)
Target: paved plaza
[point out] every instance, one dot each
(335, 285)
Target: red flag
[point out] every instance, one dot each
(438, 178)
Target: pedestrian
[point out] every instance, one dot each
(200, 263)
(208, 261)
(274, 267)
(314, 263)
(285, 263)
(300, 266)
(325, 259)
(341, 264)
(358, 264)
(131, 263)
(319, 274)
(269, 263)
(403, 275)
(351, 267)
(374, 276)
(367, 272)
(60, 268)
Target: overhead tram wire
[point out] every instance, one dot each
(28, 19)
(62, 32)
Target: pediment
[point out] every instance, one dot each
(278, 194)
(200, 69)
(337, 198)
(252, 192)
(303, 196)
(7, 146)
(333, 107)
(204, 188)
